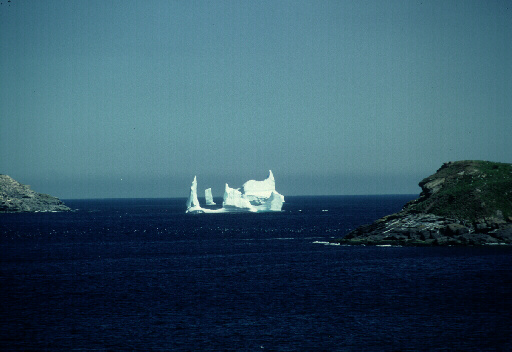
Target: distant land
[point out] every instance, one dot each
(16, 197)
(464, 203)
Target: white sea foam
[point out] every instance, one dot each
(327, 243)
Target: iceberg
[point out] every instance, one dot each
(257, 192)
(234, 200)
(209, 197)
(193, 205)
(254, 197)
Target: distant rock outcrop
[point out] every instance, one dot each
(16, 197)
(464, 203)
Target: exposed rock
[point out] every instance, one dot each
(455, 230)
(433, 186)
(16, 197)
(463, 203)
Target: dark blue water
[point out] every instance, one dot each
(142, 275)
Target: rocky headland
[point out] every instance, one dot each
(464, 203)
(16, 197)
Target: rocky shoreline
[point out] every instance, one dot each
(463, 203)
(408, 229)
(16, 198)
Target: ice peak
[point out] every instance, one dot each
(193, 202)
(208, 196)
(260, 189)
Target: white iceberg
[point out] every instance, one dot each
(254, 196)
(235, 201)
(257, 192)
(193, 205)
(209, 197)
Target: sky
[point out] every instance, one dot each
(102, 99)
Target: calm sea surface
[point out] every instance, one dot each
(139, 274)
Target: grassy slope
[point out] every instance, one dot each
(471, 190)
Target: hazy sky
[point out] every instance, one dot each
(134, 98)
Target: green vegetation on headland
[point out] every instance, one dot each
(468, 190)
(16, 197)
(464, 203)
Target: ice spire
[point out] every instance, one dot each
(192, 201)
(208, 196)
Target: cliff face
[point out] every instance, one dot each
(464, 203)
(16, 197)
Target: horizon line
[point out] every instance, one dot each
(310, 195)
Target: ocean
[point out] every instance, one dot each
(140, 274)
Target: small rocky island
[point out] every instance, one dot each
(463, 203)
(16, 197)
